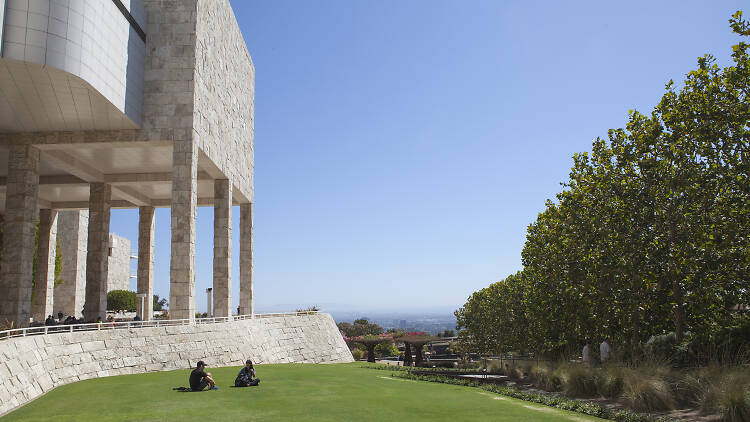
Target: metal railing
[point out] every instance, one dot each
(98, 326)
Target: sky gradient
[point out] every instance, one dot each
(403, 147)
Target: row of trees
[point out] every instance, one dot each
(650, 234)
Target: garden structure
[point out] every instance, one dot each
(370, 341)
(415, 340)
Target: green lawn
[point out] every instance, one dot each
(292, 392)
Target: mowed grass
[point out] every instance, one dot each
(290, 392)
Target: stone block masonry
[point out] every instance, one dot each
(118, 273)
(32, 366)
(72, 227)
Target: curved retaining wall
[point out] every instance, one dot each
(31, 366)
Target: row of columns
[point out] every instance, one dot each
(16, 266)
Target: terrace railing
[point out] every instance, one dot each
(98, 326)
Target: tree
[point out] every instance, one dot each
(121, 300)
(360, 327)
(386, 349)
(649, 234)
(159, 304)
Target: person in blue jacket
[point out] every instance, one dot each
(247, 377)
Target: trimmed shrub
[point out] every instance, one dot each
(357, 354)
(121, 300)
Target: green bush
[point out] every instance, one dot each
(660, 348)
(386, 349)
(357, 354)
(121, 300)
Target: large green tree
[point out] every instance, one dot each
(650, 234)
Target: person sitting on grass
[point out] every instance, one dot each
(200, 379)
(246, 375)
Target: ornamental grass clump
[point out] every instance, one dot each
(610, 382)
(728, 394)
(647, 391)
(726, 391)
(580, 382)
(734, 404)
(691, 388)
(547, 378)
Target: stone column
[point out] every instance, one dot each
(146, 261)
(184, 213)
(246, 259)
(72, 230)
(44, 284)
(222, 248)
(97, 258)
(18, 237)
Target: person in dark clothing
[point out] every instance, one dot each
(49, 321)
(246, 375)
(200, 379)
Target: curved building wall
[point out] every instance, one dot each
(32, 366)
(91, 39)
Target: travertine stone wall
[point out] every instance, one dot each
(223, 119)
(183, 216)
(168, 72)
(97, 256)
(20, 221)
(222, 248)
(118, 273)
(31, 366)
(146, 261)
(41, 302)
(72, 228)
(246, 259)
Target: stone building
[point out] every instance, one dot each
(72, 233)
(122, 104)
(118, 276)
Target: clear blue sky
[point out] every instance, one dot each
(403, 147)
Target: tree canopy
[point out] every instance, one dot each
(649, 234)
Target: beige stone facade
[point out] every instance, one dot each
(189, 64)
(32, 366)
(118, 275)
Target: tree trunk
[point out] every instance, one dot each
(371, 352)
(676, 288)
(407, 354)
(417, 354)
